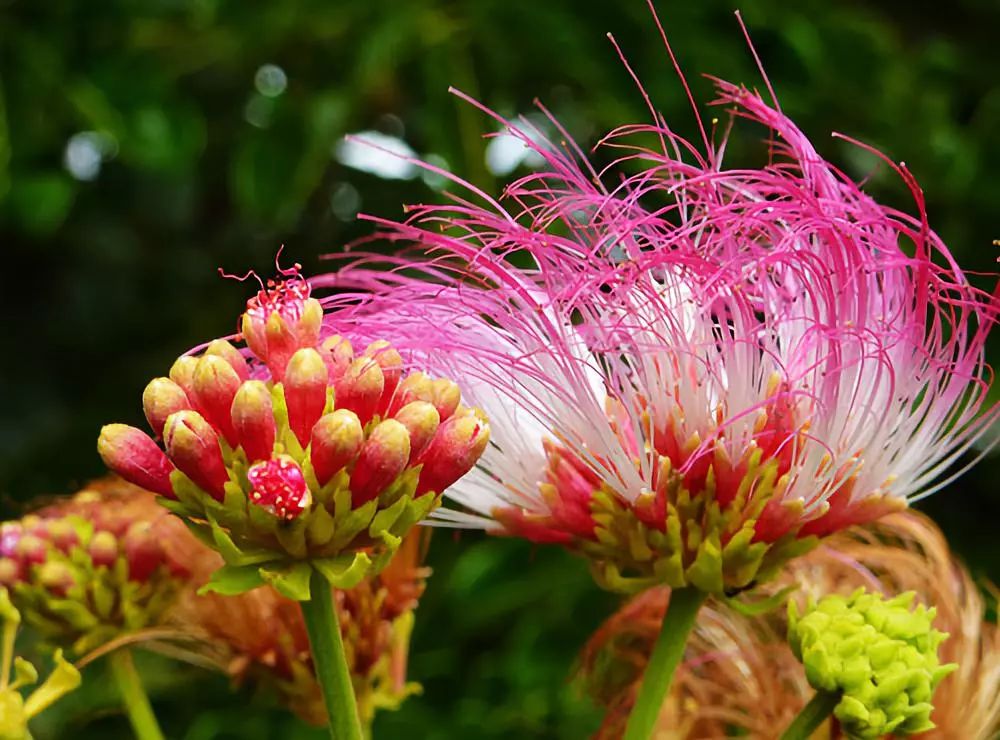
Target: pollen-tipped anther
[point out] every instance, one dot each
(160, 399)
(305, 392)
(193, 447)
(132, 454)
(453, 452)
(280, 320)
(383, 457)
(336, 441)
(253, 420)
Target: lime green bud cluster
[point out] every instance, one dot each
(879, 655)
(15, 710)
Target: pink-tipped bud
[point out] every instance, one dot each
(193, 446)
(305, 392)
(279, 486)
(280, 320)
(135, 457)
(336, 441)
(338, 354)
(10, 535)
(383, 456)
(215, 385)
(143, 551)
(11, 572)
(421, 420)
(31, 549)
(253, 420)
(359, 389)
(161, 398)
(391, 364)
(229, 353)
(57, 578)
(453, 452)
(63, 535)
(103, 549)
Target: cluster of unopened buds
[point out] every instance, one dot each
(297, 453)
(85, 572)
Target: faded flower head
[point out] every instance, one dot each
(740, 673)
(102, 564)
(697, 371)
(297, 453)
(260, 637)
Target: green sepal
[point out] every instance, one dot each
(25, 673)
(352, 524)
(232, 554)
(291, 580)
(761, 606)
(344, 571)
(383, 520)
(230, 580)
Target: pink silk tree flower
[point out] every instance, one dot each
(696, 372)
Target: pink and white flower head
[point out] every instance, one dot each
(701, 370)
(297, 452)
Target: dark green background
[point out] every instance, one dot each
(106, 281)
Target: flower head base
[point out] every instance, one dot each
(15, 710)
(878, 655)
(302, 454)
(260, 637)
(103, 564)
(741, 673)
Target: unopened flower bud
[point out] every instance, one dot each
(281, 320)
(161, 398)
(193, 447)
(132, 454)
(456, 447)
(336, 441)
(421, 420)
(279, 486)
(215, 384)
(11, 571)
(229, 353)
(143, 551)
(383, 456)
(56, 577)
(338, 354)
(10, 533)
(63, 535)
(414, 387)
(446, 396)
(182, 372)
(103, 549)
(391, 364)
(253, 420)
(359, 389)
(305, 392)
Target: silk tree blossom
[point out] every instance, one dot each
(697, 371)
(297, 453)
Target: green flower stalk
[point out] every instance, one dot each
(300, 461)
(873, 662)
(15, 710)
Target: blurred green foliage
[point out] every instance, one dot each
(190, 153)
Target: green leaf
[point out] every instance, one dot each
(290, 580)
(230, 580)
(344, 571)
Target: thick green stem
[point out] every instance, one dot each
(667, 653)
(137, 706)
(812, 716)
(330, 662)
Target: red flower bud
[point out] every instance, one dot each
(143, 551)
(383, 457)
(161, 398)
(414, 387)
(280, 320)
(103, 549)
(193, 447)
(279, 486)
(182, 373)
(421, 420)
(10, 534)
(391, 364)
(56, 577)
(338, 355)
(253, 420)
(336, 441)
(229, 353)
(305, 392)
(135, 457)
(455, 449)
(446, 396)
(215, 385)
(31, 549)
(359, 389)
(63, 535)
(11, 571)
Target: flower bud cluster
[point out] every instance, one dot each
(83, 572)
(879, 655)
(298, 450)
